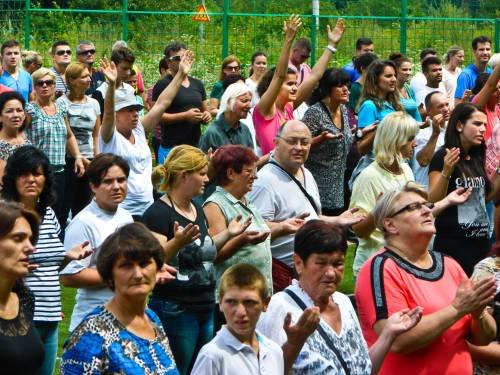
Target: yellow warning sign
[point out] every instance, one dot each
(201, 14)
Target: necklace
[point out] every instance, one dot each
(189, 214)
(398, 172)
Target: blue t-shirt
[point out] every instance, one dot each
(351, 70)
(369, 113)
(467, 79)
(23, 84)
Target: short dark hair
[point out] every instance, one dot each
(363, 42)
(427, 51)
(173, 47)
(398, 58)
(231, 156)
(428, 98)
(317, 236)
(135, 242)
(162, 65)
(428, 61)
(303, 43)
(480, 39)
(27, 159)
(57, 44)
(331, 78)
(243, 276)
(363, 61)
(7, 97)
(99, 166)
(122, 54)
(10, 44)
(480, 82)
(266, 79)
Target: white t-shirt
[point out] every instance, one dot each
(92, 224)
(450, 83)
(425, 90)
(423, 136)
(140, 188)
(316, 357)
(226, 355)
(278, 198)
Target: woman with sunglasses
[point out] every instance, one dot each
(51, 133)
(230, 66)
(406, 274)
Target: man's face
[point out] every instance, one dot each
(434, 74)
(112, 190)
(299, 55)
(123, 69)
(86, 54)
(483, 52)
(174, 59)
(292, 147)
(439, 105)
(62, 55)
(365, 48)
(11, 56)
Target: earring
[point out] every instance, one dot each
(459, 130)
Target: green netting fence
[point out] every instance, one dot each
(241, 27)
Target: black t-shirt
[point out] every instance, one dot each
(194, 286)
(182, 132)
(21, 349)
(97, 79)
(463, 231)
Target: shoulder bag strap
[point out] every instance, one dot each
(322, 332)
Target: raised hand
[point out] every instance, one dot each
(108, 68)
(292, 225)
(237, 226)
(349, 217)
(165, 274)
(186, 62)
(335, 35)
(80, 251)
(459, 196)
(437, 123)
(451, 159)
(403, 321)
(473, 296)
(298, 333)
(291, 26)
(254, 237)
(186, 235)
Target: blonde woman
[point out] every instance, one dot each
(393, 145)
(51, 133)
(186, 305)
(453, 59)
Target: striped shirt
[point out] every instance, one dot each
(44, 281)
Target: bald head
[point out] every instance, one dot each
(291, 126)
(292, 145)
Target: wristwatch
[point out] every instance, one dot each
(359, 134)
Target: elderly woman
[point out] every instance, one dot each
(235, 170)
(186, 305)
(20, 345)
(123, 336)
(405, 274)
(337, 343)
(28, 179)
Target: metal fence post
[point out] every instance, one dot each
(497, 34)
(27, 25)
(314, 43)
(403, 26)
(125, 20)
(225, 29)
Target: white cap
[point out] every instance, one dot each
(124, 99)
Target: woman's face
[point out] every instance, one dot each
(408, 148)
(259, 64)
(15, 249)
(12, 115)
(387, 80)
(127, 119)
(244, 180)
(132, 278)
(30, 185)
(404, 72)
(288, 91)
(321, 274)
(83, 81)
(194, 182)
(242, 105)
(45, 86)
(339, 94)
(458, 58)
(472, 132)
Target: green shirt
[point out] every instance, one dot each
(354, 95)
(258, 255)
(219, 133)
(217, 90)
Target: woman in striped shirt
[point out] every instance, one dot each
(28, 179)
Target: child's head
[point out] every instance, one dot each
(132, 79)
(243, 295)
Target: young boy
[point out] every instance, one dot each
(238, 348)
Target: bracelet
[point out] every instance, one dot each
(445, 176)
(331, 48)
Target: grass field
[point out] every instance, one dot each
(68, 300)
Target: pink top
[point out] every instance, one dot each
(492, 139)
(266, 128)
(302, 73)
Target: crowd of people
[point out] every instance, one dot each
(208, 234)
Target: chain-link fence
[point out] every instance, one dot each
(241, 27)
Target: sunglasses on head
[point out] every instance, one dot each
(87, 52)
(63, 52)
(41, 83)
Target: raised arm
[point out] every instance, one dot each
(308, 85)
(482, 98)
(438, 181)
(168, 94)
(108, 119)
(266, 103)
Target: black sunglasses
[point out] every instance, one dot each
(63, 52)
(41, 83)
(87, 52)
(175, 58)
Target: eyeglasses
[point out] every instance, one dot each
(87, 52)
(175, 58)
(414, 206)
(292, 141)
(48, 82)
(232, 68)
(63, 52)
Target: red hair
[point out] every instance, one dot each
(231, 156)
